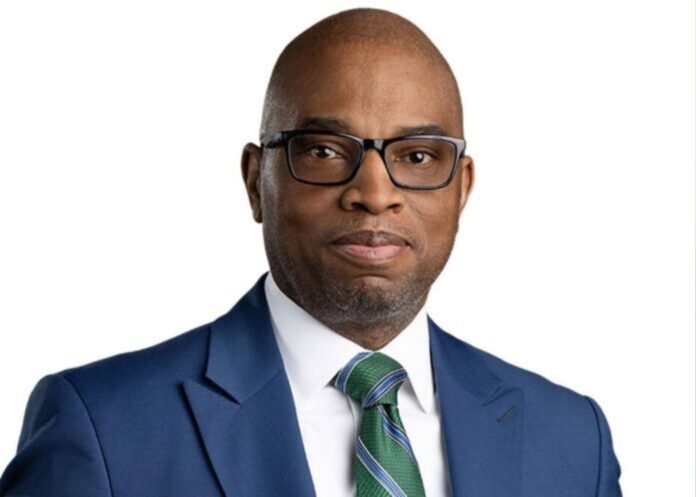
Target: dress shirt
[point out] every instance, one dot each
(329, 420)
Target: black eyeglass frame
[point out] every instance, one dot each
(283, 137)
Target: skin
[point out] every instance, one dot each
(376, 89)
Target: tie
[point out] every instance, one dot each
(385, 465)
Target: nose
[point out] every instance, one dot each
(371, 189)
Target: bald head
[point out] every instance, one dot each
(372, 74)
(374, 31)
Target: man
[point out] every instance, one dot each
(328, 378)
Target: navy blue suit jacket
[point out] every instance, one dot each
(210, 413)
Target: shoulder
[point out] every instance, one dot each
(530, 381)
(546, 401)
(75, 417)
(144, 371)
(561, 421)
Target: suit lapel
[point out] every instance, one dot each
(481, 418)
(245, 412)
(244, 408)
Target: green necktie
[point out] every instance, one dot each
(385, 465)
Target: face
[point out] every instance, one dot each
(370, 92)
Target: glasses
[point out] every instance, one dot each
(418, 162)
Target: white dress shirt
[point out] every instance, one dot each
(330, 420)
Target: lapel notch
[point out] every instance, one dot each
(244, 408)
(482, 420)
(245, 413)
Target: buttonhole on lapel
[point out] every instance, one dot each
(507, 414)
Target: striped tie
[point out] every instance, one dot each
(385, 465)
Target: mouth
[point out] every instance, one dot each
(371, 247)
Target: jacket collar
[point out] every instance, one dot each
(243, 354)
(244, 408)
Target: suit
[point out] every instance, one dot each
(210, 413)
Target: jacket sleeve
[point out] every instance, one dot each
(58, 454)
(609, 468)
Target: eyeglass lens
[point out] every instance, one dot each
(418, 162)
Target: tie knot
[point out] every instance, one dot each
(371, 378)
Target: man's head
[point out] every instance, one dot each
(372, 74)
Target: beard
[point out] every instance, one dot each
(363, 300)
(338, 302)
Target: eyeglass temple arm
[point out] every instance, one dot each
(272, 141)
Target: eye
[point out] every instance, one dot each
(416, 157)
(322, 152)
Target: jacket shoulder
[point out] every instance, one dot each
(179, 357)
(565, 422)
(544, 398)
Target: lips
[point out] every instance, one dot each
(371, 239)
(374, 249)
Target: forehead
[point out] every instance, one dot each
(375, 89)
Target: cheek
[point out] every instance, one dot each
(285, 201)
(298, 212)
(437, 224)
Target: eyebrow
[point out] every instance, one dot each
(338, 125)
(324, 124)
(424, 129)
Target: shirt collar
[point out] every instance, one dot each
(313, 353)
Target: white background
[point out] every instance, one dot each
(124, 220)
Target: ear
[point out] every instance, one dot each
(467, 178)
(251, 172)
